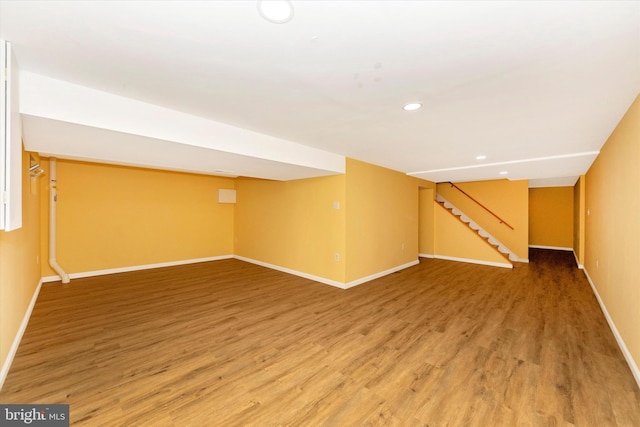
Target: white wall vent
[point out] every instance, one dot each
(226, 195)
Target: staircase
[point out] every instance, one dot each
(502, 249)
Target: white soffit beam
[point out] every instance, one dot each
(567, 181)
(538, 168)
(66, 102)
(53, 138)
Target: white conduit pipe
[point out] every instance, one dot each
(53, 199)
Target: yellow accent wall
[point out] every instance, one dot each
(507, 199)
(19, 265)
(455, 239)
(426, 237)
(579, 213)
(612, 244)
(114, 216)
(551, 217)
(382, 219)
(367, 216)
(293, 224)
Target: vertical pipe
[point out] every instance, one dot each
(53, 199)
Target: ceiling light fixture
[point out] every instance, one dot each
(503, 172)
(276, 11)
(412, 106)
(481, 157)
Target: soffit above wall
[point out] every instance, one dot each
(97, 126)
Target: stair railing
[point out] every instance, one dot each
(502, 221)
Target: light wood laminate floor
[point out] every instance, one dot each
(228, 343)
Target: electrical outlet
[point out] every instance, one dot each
(403, 246)
(597, 264)
(337, 257)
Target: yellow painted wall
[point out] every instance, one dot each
(115, 216)
(382, 216)
(19, 265)
(507, 199)
(551, 217)
(293, 224)
(612, 244)
(451, 232)
(579, 213)
(426, 237)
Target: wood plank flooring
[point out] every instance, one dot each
(228, 343)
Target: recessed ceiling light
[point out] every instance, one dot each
(412, 106)
(481, 157)
(276, 11)
(503, 172)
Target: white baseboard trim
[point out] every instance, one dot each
(523, 260)
(294, 272)
(580, 266)
(623, 347)
(135, 268)
(381, 274)
(474, 261)
(16, 340)
(325, 280)
(217, 258)
(555, 248)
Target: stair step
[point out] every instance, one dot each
(503, 250)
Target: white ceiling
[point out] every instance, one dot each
(537, 87)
